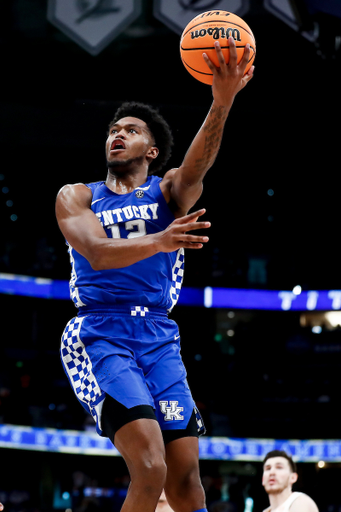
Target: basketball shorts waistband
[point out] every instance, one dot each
(135, 311)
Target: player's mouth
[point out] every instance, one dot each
(117, 145)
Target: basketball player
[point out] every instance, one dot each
(126, 237)
(279, 475)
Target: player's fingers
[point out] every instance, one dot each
(219, 53)
(246, 57)
(187, 245)
(233, 52)
(192, 242)
(192, 226)
(209, 62)
(191, 216)
(248, 76)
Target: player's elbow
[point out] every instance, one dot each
(95, 264)
(96, 258)
(99, 260)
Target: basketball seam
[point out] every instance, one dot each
(217, 21)
(209, 74)
(196, 71)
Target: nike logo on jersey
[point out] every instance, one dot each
(96, 201)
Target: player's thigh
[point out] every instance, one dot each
(141, 444)
(182, 459)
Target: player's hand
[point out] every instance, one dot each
(176, 234)
(229, 79)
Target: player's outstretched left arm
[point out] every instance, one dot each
(184, 185)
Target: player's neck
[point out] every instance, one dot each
(276, 500)
(126, 182)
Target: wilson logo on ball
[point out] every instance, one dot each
(217, 33)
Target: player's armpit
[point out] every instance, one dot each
(180, 191)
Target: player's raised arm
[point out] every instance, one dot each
(84, 233)
(228, 80)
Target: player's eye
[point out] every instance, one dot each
(132, 130)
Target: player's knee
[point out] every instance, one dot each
(151, 471)
(186, 491)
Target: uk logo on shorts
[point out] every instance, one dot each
(171, 411)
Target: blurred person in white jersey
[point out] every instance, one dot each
(279, 475)
(163, 505)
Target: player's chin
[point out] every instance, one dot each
(121, 163)
(117, 163)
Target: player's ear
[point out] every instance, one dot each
(153, 152)
(293, 478)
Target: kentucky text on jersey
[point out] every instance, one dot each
(145, 211)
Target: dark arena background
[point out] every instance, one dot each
(261, 336)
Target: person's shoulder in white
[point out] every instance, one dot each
(303, 503)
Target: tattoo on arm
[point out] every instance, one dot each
(213, 134)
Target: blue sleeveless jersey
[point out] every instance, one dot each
(152, 282)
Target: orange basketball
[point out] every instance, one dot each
(201, 33)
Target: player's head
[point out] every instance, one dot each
(279, 472)
(157, 126)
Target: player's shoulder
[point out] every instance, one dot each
(72, 188)
(76, 192)
(303, 503)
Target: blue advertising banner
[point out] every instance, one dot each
(210, 448)
(232, 298)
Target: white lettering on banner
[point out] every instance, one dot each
(335, 295)
(287, 298)
(236, 447)
(312, 300)
(171, 412)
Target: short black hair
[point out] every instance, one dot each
(281, 453)
(157, 125)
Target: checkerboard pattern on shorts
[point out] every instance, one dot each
(200, 423)
(139, 311)
(78, 365)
